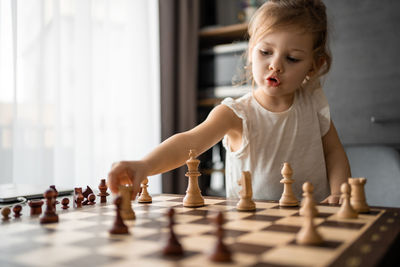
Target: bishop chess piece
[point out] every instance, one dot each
(49, 215)
(119, 227)
(346, 211)
(17, 210)
(78, 197)
(246, 202)
(172, 247)
(36, 207)
(220, 253)
(126, 192)
(193, 197)
(308, 234)
(103, 191)
(308, 200)
(5, 212)
(288, 198)
(357, 199)
(144, 196)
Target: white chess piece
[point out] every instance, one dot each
(288, 198)
(246, 202)
(346, 211)
(193, 197)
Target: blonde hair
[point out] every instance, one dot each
(307, 15)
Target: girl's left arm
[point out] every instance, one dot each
(337, 164)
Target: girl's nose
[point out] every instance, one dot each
(276, 65)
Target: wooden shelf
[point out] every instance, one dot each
(223, 34)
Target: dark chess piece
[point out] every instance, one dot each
(17, 210)
(49, 215)
(221, 252)
(78, 197)
(65, 202)
(173, 247)
(56, 195)
(103, 191)
(119, 227)
(5, 212)
(91, 199)
(36, 207)
(86, 194)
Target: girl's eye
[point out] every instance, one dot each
(292, 59)
(265, 52)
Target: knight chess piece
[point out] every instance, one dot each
(288, 198)
(193, 197)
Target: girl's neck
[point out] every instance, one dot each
(273, 103)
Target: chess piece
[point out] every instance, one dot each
(357, 199)
(346, 211)
(172, 247)
(308, 234)
(78, 197)
(5, 212)
(119, 227)
(86, 194)
(64, 203)
(49, 215)
(246, 202)
(144, 196)
(36, 207)
(55, 196)
(193, 197)
(288, 198)
(126, 192)
(220, 253)
(91, 199)
(17, 210)
(103, 191)
(308, 200)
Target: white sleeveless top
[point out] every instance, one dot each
(271, 138)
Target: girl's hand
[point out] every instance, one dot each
(127, 172)
(332, 199)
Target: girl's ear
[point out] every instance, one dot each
(316, 66)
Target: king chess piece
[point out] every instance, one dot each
(288, 198)
(193, 197)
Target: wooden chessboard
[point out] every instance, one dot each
(265, 237)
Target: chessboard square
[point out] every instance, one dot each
(139, 232)
(266, 238)
(92, 259)
(339, 234)
(344, 223)
(197, 212)
(234, 215)
(283, 228)
(249, 248)
(51, 255)
(266, 205)
(63, 237)
(297, 221)
(258, 217)
(17, 228)
(71, 225)
(228, 202)
(211, 201)
(163, 198)
(182, 218)
(199, 243)
(299, 256)
(129, 248)
(192, 229)
(246, 225)
(327, 209)
(278, 212)
(76, 215)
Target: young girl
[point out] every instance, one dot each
(284, 119)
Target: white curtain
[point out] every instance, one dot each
(79, 89)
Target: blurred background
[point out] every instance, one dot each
(86, 83)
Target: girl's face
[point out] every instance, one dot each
(281, 60)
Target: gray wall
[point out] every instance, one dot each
(364, 81)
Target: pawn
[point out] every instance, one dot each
(173, 247)
(64, 203)
(119, 227)
(91, 199)
(220, 253)
(308, 234)
(103, 191)
(49, 215)
(5, 212)
(346, 211)
(308, 200)
(144, 196)
(17, 210)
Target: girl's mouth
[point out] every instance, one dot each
(273, 81)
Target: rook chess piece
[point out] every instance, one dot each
(126, 192)
(357, 199)
(17, 210)
(246, 202)
(172, 247)
(78, 197)
(5, 212)
(103, 191)
(49, 215)
(220, 253)
(64, 203)
(193, 197)
(308, 200)
(36, 207)
(119, 227)
(288, 198)
(144, 196)
(346, 211)
(308, 234)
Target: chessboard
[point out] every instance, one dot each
(264, 237)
